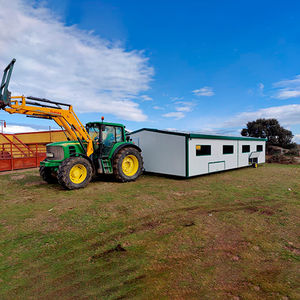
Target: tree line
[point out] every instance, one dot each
(270, 129)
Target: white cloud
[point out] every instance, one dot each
(205, 91)
(287, 115)
(181, 108)
(65, 63)
(286, 94)
(184, 106)
(175, 114)
(18, 129)
(158, 107)
(171, 129)
(288, 88)
(146, 98)
(261, 86)
(297, 138)
(176, 98)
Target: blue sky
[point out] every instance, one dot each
(207, 66)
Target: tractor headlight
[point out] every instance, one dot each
(49, 155)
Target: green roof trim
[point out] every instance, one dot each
(201, 136)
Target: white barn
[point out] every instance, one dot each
(189, 154)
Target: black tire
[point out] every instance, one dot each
(48, 175)
(117, 164)
(64, 175)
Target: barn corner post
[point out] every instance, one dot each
(187, 140)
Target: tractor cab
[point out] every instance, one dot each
(105, 136)
(113, 153)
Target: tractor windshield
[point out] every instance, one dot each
(108, 136)
(94, 132)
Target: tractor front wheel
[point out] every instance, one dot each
(74, 173)
(47, 174)
(127, 164)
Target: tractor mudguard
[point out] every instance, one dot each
(123, 146)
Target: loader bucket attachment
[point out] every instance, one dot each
(4, 92)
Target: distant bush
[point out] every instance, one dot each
(293, 152)
(282, 159)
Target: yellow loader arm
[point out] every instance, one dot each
(65, 118)
(45, 109)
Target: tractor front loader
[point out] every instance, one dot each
(97, 148)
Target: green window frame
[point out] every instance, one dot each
(228, 149)
(203, 150)
(245, 148)
(259, 148)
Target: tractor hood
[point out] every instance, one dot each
(65, 143)
(59, 151)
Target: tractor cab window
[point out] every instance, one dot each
(108, 136)
(111, 134)
(119, 134)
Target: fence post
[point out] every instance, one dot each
(36, 156)
(11, 158)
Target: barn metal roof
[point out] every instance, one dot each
(200, 135)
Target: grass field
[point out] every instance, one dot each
(231, 235)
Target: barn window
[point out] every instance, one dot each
(246, 148)
(203, 150)
(259, 148)
(227, 149)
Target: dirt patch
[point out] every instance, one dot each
(33, 183)
(188, 223)
(118, 248)
(178, 194)
(151, 225)
(135, 279)
(293, 249)
(146, 226)
(17, 177)
(251, 209)
(268, 212)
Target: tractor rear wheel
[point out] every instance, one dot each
(74, 173)
(128, 164)
(47, 174)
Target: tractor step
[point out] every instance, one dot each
(106, 166)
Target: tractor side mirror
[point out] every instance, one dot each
(127, 138)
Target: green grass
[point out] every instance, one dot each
(231, 235)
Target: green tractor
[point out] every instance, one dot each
(68, 163)
(97, 148)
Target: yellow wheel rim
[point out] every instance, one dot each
(130, 165)
(78, 173)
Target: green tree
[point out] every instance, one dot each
(270, 129)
